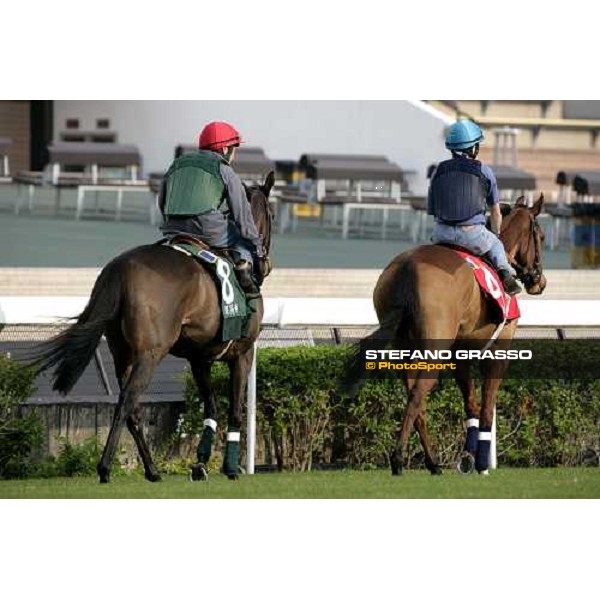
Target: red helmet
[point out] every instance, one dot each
(217, 135)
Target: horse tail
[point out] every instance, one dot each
(402, 320)
(407, 306)
(71, 351)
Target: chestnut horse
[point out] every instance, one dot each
(430, 293)
(149, 302)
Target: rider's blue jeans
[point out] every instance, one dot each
(478, 239)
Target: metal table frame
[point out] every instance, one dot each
(119, 189)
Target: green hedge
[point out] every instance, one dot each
(22, 434)
(19, 435)
(302, 418)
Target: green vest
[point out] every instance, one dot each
(194, 184)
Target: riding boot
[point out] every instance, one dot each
(243, 272)
(511, 287)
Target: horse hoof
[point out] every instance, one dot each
(466, 464)
(103, 475)
(484, 472)
(152, 476)
(198, 473)
(232, 476)
(396, 471)
(435, 470)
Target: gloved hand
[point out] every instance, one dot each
(258, 247)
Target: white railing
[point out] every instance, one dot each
(289, 312)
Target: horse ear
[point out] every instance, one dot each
(521, 202)
(269, 183)
(536, 209)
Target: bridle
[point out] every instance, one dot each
(531, 275)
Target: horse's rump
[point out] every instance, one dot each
(425, 288)
(144, 298)
(164, 291)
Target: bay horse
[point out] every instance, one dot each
(149, 302)
(430, 293)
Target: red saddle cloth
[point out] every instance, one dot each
(490, 283)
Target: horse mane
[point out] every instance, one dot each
(510, 234)
(258, 197)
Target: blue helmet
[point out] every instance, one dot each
(463, 134)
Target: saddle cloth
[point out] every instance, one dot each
(490, 283)
(236, 309)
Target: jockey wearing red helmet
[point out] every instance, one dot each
(219, 135)
(202, 196)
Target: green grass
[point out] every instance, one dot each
(504, 483)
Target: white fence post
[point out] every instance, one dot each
(251, 415)
(493, 452)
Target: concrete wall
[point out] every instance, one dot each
(14, 124)
(408, 132)
(77, 421)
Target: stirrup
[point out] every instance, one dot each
(509, 283)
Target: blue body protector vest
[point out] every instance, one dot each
(459, 190)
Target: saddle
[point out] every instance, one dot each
(237, 306)
(458, 248)
(190, 240)
(251, 283)
(486, 276)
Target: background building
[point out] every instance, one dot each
(409, 133)
(551, 135)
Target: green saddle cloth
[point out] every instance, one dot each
(236, 308)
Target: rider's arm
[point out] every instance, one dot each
(162, 197)
(430, 202)
(493, 200)
(430, 210)
(496, 219)
(240, 207)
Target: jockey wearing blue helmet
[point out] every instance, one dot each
(464, 135)
(461, 188)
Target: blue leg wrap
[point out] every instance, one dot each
(471, 441)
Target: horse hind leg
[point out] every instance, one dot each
(415, 415)
(128, 411)
(134, 425)
(431, 460)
